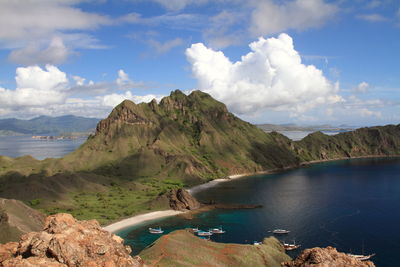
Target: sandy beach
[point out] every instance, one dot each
(139, 219)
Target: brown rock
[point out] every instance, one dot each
(326, 257)
(68, 242)
(180, 199)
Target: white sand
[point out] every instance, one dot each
(139, 219)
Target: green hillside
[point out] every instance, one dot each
(141, 151)
(181, 248)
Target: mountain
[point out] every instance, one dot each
(48, 125)
(141, 151)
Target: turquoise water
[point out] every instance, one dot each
(353, 205)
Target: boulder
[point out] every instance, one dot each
(65, 241)
(181, 199)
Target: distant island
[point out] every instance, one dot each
(45, 125)
(313, 128)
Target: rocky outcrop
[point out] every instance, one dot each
(180, 199)
(64, 242)
(326, 257)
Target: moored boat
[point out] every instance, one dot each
(195, 230)
(288, 246)
(256, 243)
(155, 230)
(280, 231)
(361, 257)
(217, 231)
(204, 233)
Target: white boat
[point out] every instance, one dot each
(195, 230)
(289, 246)
(155, 230)
(280, 231)
(256, 243)
(204, 233)
(361, 257)
(217, 231)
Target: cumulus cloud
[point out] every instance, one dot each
(36, 87)
(271, 76)
(361, 88)
(48, 91)
(123, 78)
(269, 17)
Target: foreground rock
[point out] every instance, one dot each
(65, 241)
(180, 199)
(16, 219)
(326, 257)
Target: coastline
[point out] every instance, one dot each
(137, 219)
(125, 223)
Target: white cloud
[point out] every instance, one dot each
(270, 17)
(123, 78)
(36, 87)
(37, 30)
(112, 100)
(361, 88)
(47, 91)
(55, 53)
(372, 17)
(272, 76)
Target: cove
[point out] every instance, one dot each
(353, 205)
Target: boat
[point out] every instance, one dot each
(195, 230)
(288, 246)
(256, 243)
(280, 231)
(217, 231)
(155, 230)
(361, 257)
(204, 233)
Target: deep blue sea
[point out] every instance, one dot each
(17, 146)
(353, 205)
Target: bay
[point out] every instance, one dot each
(17, 146)
(353, 205)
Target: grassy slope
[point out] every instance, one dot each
(17, 218)
(181, 248)
(141, 151)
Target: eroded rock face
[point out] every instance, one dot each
(326, 257)
(180, 199)
(65, 241)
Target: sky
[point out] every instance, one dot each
(306, 62)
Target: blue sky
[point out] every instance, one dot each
(271, 61)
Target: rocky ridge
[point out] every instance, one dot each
(326, 257)
(64, 242)
(181, 199)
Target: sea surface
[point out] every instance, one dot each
(17, 146)
(353, 205)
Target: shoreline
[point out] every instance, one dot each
(138, 219)
(135, 220)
